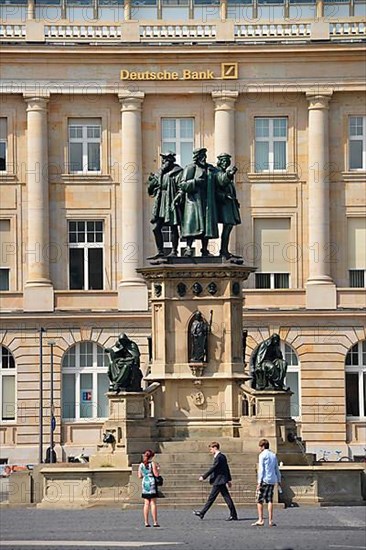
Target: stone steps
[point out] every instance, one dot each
(182, 464)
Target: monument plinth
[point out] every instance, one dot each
(197, 353)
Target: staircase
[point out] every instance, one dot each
(182, 462)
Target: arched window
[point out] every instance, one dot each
(7, 385)
(84, 382)
(356, 380)
(292, 379)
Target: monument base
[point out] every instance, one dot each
(268, 415)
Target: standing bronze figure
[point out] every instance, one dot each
(269, 366)
(163, 186)
(199, 331)
(124, 365)
(228, 207)
(197, 194)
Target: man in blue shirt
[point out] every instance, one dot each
(268, 475)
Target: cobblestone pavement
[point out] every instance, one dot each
(302, 528)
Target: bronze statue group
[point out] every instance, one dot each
(192, 201)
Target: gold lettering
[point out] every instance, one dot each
(125, 74)
(210, 74)
(186, 74)
(133, 76)
(160, 75)
(152, 75)
(175, 76)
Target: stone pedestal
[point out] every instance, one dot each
(203, 401)
(269, 416)
(130, 423)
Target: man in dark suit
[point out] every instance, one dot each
(220, 479)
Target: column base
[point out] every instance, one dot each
(38, 298)
(132, 296)
(321, 295)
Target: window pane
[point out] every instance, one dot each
(86, 395)
(103, 385)
(102, 357)
(262, 127)
(355, 126)
(281, 280)
(7, 360)
(169, 146)
(186, 128)
(352, 356)
(95, 268)
(261, 156)
(68, 396)
(355, 154)
(2, 156)
(290, 355)
(169, 128)
(186, 150)
(8, 398)
(279, 127)
(364, 393)
(76, 268)
(262, 280)
(93, 157)
(279, 148)
(364, 354)
(352, 394)
(356, 278)
(70, 358)
(4, 279)
(76, 157)
(292, 381)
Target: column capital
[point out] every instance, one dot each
(319, 100)
(131, 101)
(225, 100)
(36, 102)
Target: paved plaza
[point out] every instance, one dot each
(302, 528)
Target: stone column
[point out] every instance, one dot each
(225, 133)
(320, 289)
(132, 292)
(30, 10)
(38, 290)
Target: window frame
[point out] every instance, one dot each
(360, 370)
(86, 246)
(271, 140)
(6, 373)
(364, 278)
(85, 141)
(272, 280)
(296, 369)
(77, 371)
(6, 268)
(361, 138)
(177, 140)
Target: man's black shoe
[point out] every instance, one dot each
(231, 518)
(198, 513)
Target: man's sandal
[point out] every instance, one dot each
(257, 524)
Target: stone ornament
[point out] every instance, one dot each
(212, 288)
(158, 290)
(197, 289)
(198, 398)
(236, 288)
(181, 289)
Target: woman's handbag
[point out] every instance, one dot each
(159, 480)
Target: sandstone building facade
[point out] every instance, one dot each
(91, 93)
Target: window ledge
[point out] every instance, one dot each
(357, 176)
(272, 177)
(78, 179)
(8, 178)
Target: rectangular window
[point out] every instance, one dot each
(177, 135)
(272, 280)
(356, 251)
(271, 238)
(8, 398)
(270, 144)
(86, 255)
(292, 381)
(4, 278)
(357, 278)
(357, 142)
(3, 143)
(84, 145)
(352, 394)
(68, 396)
